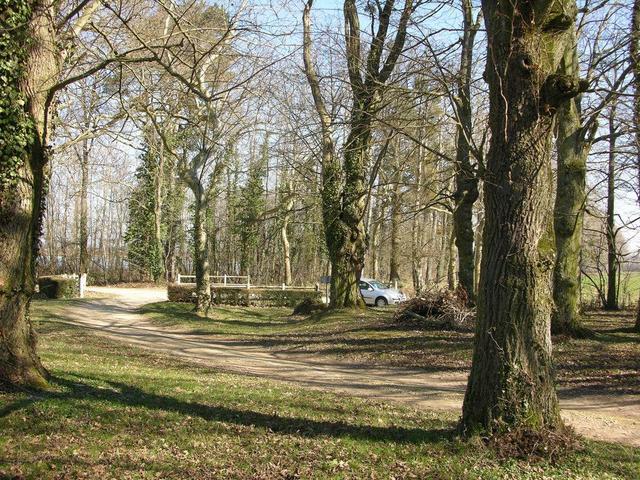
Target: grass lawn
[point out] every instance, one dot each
(607, 363)
(121, 412)
(629, 288)
(371, 337)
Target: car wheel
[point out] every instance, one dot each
(381, 302)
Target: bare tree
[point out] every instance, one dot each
(345, 189)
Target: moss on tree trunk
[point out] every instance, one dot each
(511, 384)
(573, 149)
(201, 250)
(466, 179)
(345, 190)
(22, 181)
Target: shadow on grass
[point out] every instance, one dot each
(132, 396)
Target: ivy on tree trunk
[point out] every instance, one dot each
(29, 61)
(345, 191)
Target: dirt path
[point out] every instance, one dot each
(606, 417)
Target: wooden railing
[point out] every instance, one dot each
(238, 281)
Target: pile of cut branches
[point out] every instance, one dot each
(444, 309)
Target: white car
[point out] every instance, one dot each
(379, 294)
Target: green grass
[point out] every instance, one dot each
(372, 337)
(629, 288)
(607, 363)
(121, 412)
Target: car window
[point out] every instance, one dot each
(364, 285)
(379, 285)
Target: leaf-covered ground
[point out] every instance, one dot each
(121, 412)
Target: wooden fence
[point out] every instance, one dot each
(238, 281)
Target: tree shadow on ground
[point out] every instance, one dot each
(133, 396)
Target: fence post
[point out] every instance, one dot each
(284, 287)
(248, 282)
(225, 280)
(179, 279)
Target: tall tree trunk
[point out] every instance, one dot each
(377, 215)
(344, 202)
(573, 151)
(22, 198)
(84, 208)
(443, 249)
(451, 266)
(478, 249)
(396, 206)
(511, 384)
(345, 232)
(416, 229)
(466, 181)
(158, 193)
(431, 242)
(635, 59)
(635, 62)
(201, 251)
(612, 253)
(284, 234)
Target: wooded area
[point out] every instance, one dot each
(487, 147)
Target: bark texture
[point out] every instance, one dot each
(396, 207)
(345, 190)
(288, 203)
(21, 209)
(511, 384)
(635, 62)
(84, 207)
(201, 251)
(573, 150)
(465, 193)
(612, 251)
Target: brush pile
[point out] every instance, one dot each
(444, 309)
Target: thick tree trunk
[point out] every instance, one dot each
(21, 205)
(466, 180)
(511, 384)
(466, 195)
(573, 151)
(612, 253)
(201, 252)
(344, 187)
(345, 233)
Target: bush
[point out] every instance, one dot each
(309, 306)
(444, 309)
(59, 286)
(240, 296)
(281, 298)
(181, 293)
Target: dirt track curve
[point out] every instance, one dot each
(614, 418)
